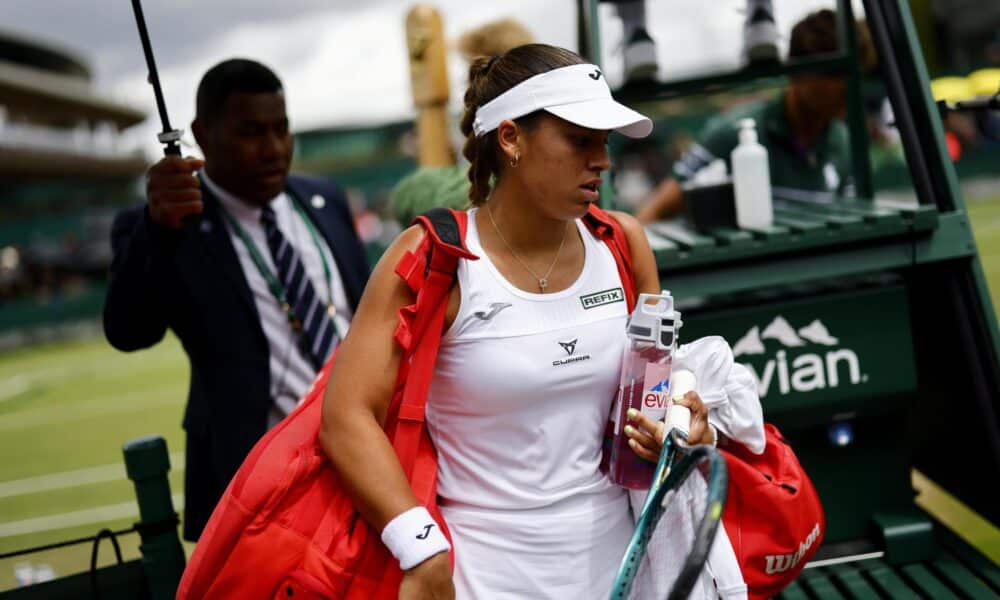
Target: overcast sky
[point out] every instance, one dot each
(343, 62)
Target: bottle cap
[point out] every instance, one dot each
(654, 319)
(748, 131)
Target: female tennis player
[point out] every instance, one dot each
(526, 372)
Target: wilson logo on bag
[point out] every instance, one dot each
(773, 516)
(779, 563)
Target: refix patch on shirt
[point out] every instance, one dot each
(603, 297)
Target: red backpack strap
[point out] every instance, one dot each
(430, 273)
(443, 244)
(610, 231)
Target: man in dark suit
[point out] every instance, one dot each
(256, 271)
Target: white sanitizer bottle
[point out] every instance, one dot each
(751, 179)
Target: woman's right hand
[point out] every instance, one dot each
(430, 580)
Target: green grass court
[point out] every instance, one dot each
(65, 411)
(67, 408)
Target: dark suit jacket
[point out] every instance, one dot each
(191, 282)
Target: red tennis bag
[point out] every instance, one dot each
(773, 515)
(285, 527)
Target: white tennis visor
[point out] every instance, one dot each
(577, 93)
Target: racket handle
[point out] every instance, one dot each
(679, 417)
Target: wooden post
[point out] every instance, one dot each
(429, 80)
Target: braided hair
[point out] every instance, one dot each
(490, 76)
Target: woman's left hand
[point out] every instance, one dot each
(646, 435)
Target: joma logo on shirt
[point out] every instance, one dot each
(603, 297)
(495, 307)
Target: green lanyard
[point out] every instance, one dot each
(275, 286)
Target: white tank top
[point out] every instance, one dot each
(524, 382)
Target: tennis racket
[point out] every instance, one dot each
(680, 515)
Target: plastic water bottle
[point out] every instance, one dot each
(751, 179)
(645, 382)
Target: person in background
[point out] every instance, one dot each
(256, 271)
(802, 127)
(492, 38)
(760, 37)
(448, 186)
(427, 188)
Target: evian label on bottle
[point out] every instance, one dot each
(655, 392)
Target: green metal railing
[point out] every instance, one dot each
(156, 574)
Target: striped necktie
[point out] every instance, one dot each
(309, 317)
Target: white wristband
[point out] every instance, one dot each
(413, 536)
(683, 443)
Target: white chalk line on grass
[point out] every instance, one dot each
(15, 386)
(100, 514)
(66, 479)
(69, 414)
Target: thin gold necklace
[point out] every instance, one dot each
(543, 281)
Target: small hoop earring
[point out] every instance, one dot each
(514, 161)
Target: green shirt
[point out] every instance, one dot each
(822, 167)
(430, 187)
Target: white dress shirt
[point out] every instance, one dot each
(291, 370)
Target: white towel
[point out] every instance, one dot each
(727, 388)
